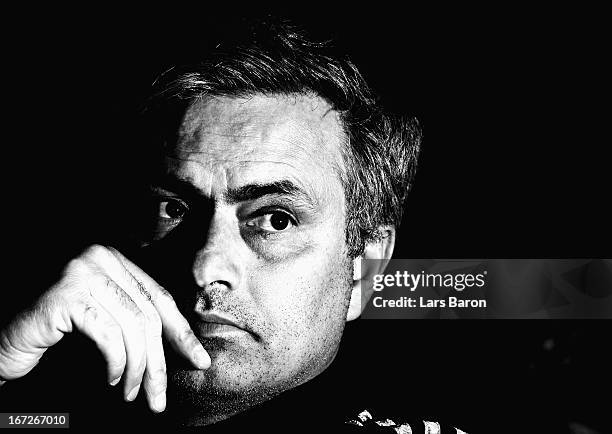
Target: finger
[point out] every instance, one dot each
(132, 322)
(23, 342)
(91, 319)
(175, 326)
(155, 378)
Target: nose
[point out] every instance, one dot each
(218, 262)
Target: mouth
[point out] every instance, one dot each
(212, 324)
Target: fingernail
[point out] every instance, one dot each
(160, 402)
(132, 395)
(115, 381)
(201, 358)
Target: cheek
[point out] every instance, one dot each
(275, 249)
(304, 300)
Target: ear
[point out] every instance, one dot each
(364, 271)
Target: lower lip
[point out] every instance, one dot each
(208, 329)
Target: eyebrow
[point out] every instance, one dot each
(257, 191)
(245, 193)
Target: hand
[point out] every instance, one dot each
(117, 305)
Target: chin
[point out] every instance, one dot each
(205, 397)
(228, 376)
(230, 386)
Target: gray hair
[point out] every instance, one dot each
(273, 58)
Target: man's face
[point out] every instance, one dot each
(254, 186)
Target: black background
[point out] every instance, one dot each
(514, 164)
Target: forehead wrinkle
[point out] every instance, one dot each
(201, 180)
(239, 132)
(216, 117)
(206, 163)
(264, 114)
(305, 186)
(291, 149)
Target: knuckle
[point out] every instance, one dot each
(142, 290)
(117, 363)
(186, 337)
(162, 387)
(90, 314)
(111, 335)
(96, 252)
(165, 296)
(98, 280)
(76, 267)
(110, 340)
(99, 284)
(136, 370)
(157, 375)
(140, 317)
(140, 320)
(107, 282)
(48, 313)
(164, 293)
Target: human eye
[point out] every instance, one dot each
(272, 221)
(171, 210)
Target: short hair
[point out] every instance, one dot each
(274, 57)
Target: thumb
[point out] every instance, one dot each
(25, 339)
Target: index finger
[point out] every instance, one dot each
(174, 325)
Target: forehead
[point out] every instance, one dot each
(225, 140)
